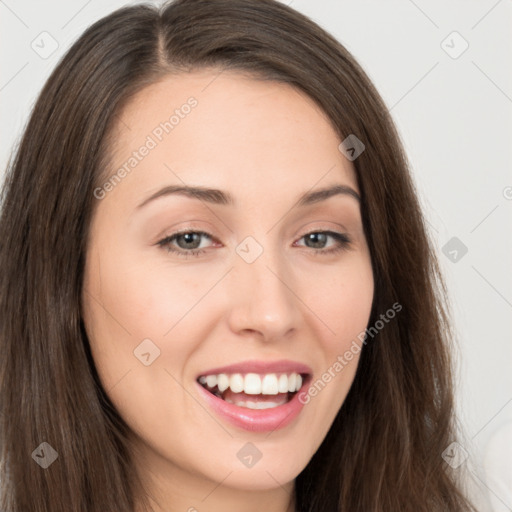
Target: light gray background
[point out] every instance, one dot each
(455, 119)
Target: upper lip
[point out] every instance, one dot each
(261, 367)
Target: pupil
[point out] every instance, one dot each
(317, 240)
(190, 240)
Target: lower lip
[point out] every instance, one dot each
(255, 420)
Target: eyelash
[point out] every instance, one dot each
(343, 242)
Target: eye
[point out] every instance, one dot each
(193, 243)
(186, 243)
(325, 241)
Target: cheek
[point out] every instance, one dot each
(342, 307)
(147, 299)
(137, 302)
(129, 309)
(130, 300)
(123, 308)
(342, 302)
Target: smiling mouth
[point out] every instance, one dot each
(252, 390)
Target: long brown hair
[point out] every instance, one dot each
(383, 451)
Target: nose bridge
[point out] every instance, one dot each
(262, 298)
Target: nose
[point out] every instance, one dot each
(262, 299)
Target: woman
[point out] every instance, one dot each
(217, 287)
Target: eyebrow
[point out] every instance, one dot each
(216, 196)
(325, 193)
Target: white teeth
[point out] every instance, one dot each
(255, 405)
(211, 381)
(254, 384)
(283, 384)
(269, 385)
(236, 383)
(291, 382)
(222, 382)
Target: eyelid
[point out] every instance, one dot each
(175, 234)
(343, 240)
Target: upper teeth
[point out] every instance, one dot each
(254, 384)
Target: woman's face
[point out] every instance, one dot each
(268, 277)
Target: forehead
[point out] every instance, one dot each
(224, 129)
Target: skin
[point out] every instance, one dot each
(266, 144)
